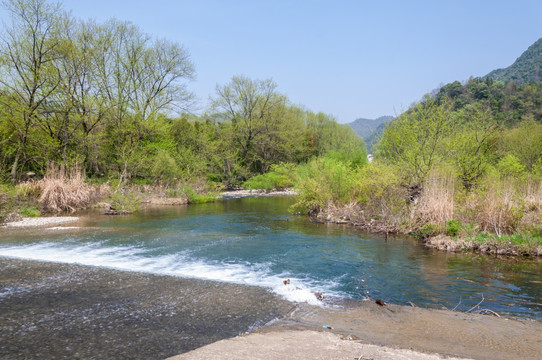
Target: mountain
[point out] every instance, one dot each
(526, 69)
(369, 130)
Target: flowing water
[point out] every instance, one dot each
(250, 246)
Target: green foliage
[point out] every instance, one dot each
(413, 140)
(524, 143)
(280, 177)
(8, 189)
(453, 227)
(324, 181)
(124, 201)
(380, 191)
(428, 230)
(327, 135)
(526, 69)
(195, 197)
(522, 240)
(510, 166)
(472, 146)
(357, 157)
(30, 211)
(508, 103)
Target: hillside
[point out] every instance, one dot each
(526, 69)
(369, 129)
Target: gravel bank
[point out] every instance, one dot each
(41, 221)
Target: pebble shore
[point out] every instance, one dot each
(41, 221)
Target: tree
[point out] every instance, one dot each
(524, 142)
(414, 141)
(251, 106)
(28, 51)
(328, 135)
(472, 146)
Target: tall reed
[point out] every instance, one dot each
(64, 189)
(436, 204)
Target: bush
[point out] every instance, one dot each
(124, 201)
(195, 197)
(324, 181)
(510, 166)
(279, 177)
(381, 193)
(429, 230)
(30, 211)
(452, 227)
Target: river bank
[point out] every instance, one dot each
(488, 245)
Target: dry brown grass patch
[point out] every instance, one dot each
(64, 189)
(436, 204)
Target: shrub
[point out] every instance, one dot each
(381, 193)
(124, 201)
(453, 227)
(195, 197)
(30, 211)
(429, 230)
(510, 166)
(323, 181)
(279, 177)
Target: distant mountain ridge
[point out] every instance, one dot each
(370, 129)
(526, 69)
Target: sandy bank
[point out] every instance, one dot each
(41, 221)
(301, 344)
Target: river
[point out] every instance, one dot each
(167, 266)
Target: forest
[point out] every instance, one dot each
(106, 105)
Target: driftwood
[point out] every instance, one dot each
(483, 311)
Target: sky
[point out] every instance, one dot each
(350, 59)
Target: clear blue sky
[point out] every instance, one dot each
(350, 59)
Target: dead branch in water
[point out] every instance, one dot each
(459, 303)
(477, 305)
(482, 311)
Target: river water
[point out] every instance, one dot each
(238, 251)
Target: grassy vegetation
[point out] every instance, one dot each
(279, 177)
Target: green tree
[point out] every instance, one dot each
(29, 49)
(414, 141)
(251, 106)
(472, 147)
(524, 142)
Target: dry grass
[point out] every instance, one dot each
(436, 204)
(498, 207)
(533, 196)
(64, 190)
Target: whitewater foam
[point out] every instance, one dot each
(132, 258)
